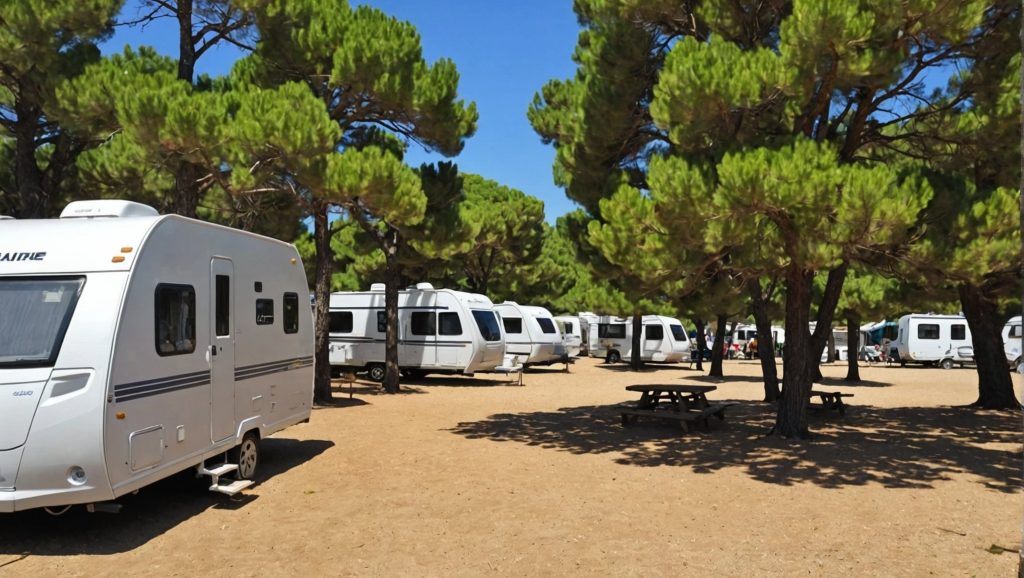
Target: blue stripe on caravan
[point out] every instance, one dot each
(160, 390)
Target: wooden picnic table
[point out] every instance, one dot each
(680, 402)
(829, 400)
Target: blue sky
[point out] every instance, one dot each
(505, 51)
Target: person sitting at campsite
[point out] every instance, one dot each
(752, 348)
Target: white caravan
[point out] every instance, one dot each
(572, 334)
(1012, 334)
(588, 331)
(930, 339)
(663, 339)
(134, 346)
(439, 331)
(531, 333)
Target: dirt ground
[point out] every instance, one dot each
(473, 476)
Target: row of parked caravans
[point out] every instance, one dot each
(945, 340)
(446, 331)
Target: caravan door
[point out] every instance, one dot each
(653, 342)
(221, 352)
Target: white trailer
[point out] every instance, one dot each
(588, 331)
(439, 331)
(531, 334)
(1012, 335)
(934, 339)
(572, 334)
(134, 346)
(663, 339)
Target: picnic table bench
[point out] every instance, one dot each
(829, 400)
(683, 403)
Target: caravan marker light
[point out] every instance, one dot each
(294, 260)
(126, 249)
(117, 259)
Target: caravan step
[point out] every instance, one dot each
(218, 470)
(232, 488)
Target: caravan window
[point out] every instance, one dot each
(611, 330)
(959, 332)
(264, 312)
(449, 324)
(382, 321)
(222, 322)
(487, 325)
(1016, 330)
(512, 324)
(34, 315)
(928, 331)
(175, 319)
(567, 327)
(340, 322)
(654, 332)
(546, 325)
(423, 323)
(291, 312)
(678, 333)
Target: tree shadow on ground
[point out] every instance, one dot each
(841, 382)
(458, 381)
(727, 379)
(648, 367)
(892, 447)
(153, 511)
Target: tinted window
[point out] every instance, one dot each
(654, 332)
(449, 324)
(567, 326)
(264, 312)
(34, 315)
(382, 321)
(222, 321)
(678, 333)
(341, 322)
(487, 324)
(512, 324)
(290, 304)
(546, 325)
(175, 319)
(611, 330)
(1016, 330)
(423, 323)
(958, 332)
(927, 331)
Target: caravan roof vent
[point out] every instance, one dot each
(105, 208)
(377, 287)
(424, 286)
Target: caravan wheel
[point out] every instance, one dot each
(247, 456)
(947, 364)
(376, 372)
(613, 357)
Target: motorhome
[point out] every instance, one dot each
(134, 346)
(663, 339)
(439, 331)
(1012, 334)
(571, 328)
(531, 334)
(934, 339)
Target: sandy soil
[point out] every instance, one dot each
(471, 476)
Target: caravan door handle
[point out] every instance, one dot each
(213, 350)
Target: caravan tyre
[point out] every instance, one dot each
(375, 372)
(947, 364)
(247, 456)
(613, 357)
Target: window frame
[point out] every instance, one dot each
(156, 318)
(953, 331)
(294, 298)
(922, 326)
(272, 315)
(647, 334)
(451, 315)
(514, 320)
(432, 323)
(330, 323)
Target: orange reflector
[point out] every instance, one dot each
(117, 259)
(126, 249)
(294, 261)
(119, 415)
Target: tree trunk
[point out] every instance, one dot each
(995, 388)
(830, 351)
(186, 174)
(186, 48)
(322, 295)
(636, 360)
(765, 343)
(33, 201)
(701, 344)
(392, 281)
(852, 346)
(719, 347)
(791, 421)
